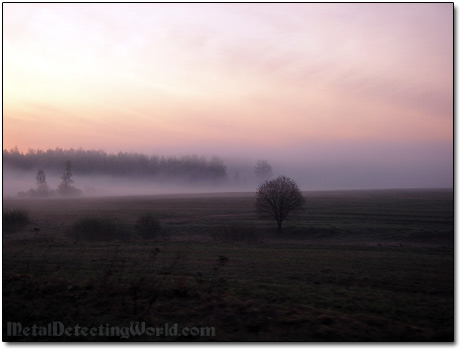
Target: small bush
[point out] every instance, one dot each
(13, 220)
(236, 233)
(148, 226)
(99, 229)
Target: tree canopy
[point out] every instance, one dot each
(277, 198)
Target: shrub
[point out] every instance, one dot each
(236, 233)
(99, 229)
(13, 220)
(148, 226)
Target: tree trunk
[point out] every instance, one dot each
(279, 225)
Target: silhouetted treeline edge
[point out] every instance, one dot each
(96, 162)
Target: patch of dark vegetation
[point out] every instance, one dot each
(236, 233)
(100, 229)
(14, 220)
(148, 226)
(430, 236)
(320, 233)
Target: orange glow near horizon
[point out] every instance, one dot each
(205, 77)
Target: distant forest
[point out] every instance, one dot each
(96, 162)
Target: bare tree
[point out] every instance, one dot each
(65, 187)
(263, 170)
(277, 198)
(41, 179)
(66, 176)
(42, 187)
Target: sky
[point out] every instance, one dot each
(360, 88)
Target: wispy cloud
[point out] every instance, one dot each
(193, 77)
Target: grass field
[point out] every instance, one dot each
(353, 266)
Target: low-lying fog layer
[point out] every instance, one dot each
(238, 179)
(14, 182)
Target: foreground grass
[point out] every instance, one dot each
(257, 292)
(359, 266)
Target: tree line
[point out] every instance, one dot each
(97, 162)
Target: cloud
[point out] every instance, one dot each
(227, 78)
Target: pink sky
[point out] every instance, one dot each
(230, 79)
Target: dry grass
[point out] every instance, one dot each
(363, 267)
(14, 220)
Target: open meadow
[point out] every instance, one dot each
(145, 146)
(352, 266)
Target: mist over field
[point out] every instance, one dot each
(267, 171)
(15, 181)
(346, 168)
